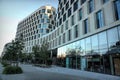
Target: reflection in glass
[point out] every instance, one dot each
(94, 41)
(102, 42)
(112, 36)
(88, 45)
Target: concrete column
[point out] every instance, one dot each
(111, 65)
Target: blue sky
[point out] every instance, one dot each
(13, 11)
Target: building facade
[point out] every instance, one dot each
(87, 35)
(36, 25)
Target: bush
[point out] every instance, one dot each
(49, 62)
(5, 64)
(12, 70)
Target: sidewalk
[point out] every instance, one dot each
(80, 73)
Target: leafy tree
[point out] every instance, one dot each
(41, 53)
(14, 51)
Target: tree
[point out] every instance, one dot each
(41, 53)
(14, 51)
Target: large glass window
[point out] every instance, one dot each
(94, 41)
(112, 36)
(86, 27)
(99, 18)
(119, 31)
(82, 46)
(91, 6)
(76, 31)
(80, 14)
(88, 45)
(117, 9)
(103, 47)
(75, 5)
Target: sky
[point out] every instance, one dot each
(12, 12)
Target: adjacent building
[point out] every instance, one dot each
(85, 34)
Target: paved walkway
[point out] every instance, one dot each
(80, 73)
(55, 73)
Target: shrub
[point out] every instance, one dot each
(12, 70)
(49, 62)
(5, 64)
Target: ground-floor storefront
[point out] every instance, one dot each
(97, 53)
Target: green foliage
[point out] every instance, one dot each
(41, 53)
(12, 70)
(49, 62)
(14, 50)
(5, 64)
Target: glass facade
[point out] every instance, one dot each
(91, 52)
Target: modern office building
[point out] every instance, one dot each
(37, 24)
(86, 35)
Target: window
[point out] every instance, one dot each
(112, 36)
(60, 21)
(66, 25)
(64, 17)
(62, 10)
(80, 14)
(104, 1)
(117, 9)
(72, 1)
(59, 40)
(99, 19)
(94, 41)
(88, 45)
(72, 20)
(69, 12)
(48, 11)
(42, 20)
(91, 6)
(86, 27)
(64, 38)
(102, 42)
(82, 1)
(69, 35)
(65, 1)
(62, 29)
(43, 10)
(75, 6)
(76, 31)
(67, 5)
